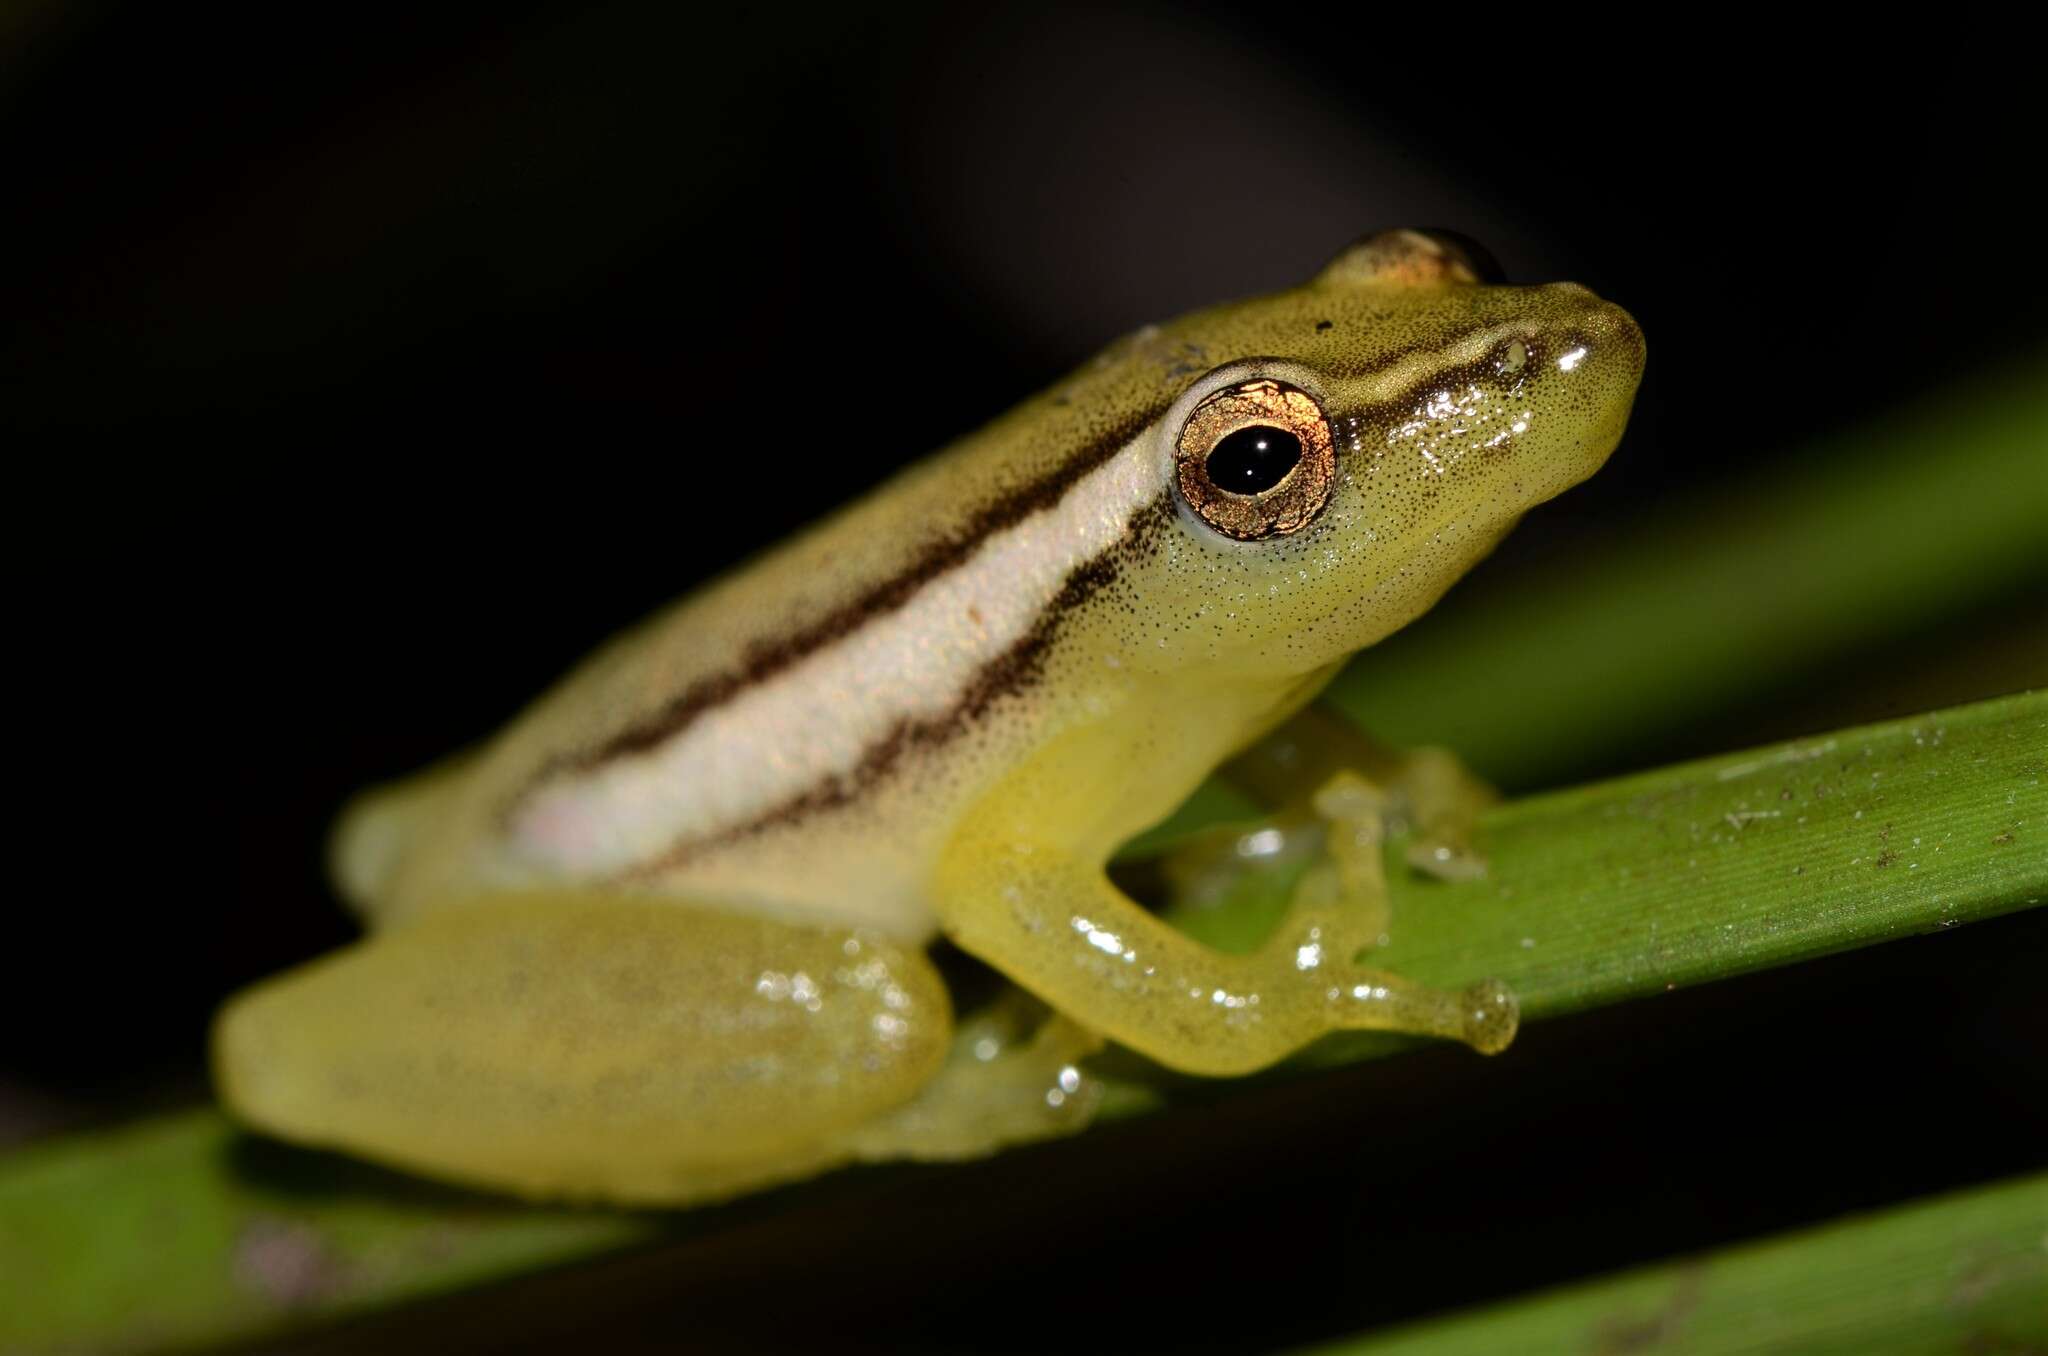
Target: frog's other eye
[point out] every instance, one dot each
(1433, 257)
(1468, 254)
(1256, 460)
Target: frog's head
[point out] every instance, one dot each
(1366, 440)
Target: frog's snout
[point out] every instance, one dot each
(1607, 332)
(1598, 352)
(1592, 354)
(1614, 333)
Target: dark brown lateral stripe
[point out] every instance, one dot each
(765, 659)
(1008, 673)
(1005, 675)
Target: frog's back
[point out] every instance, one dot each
(798, 737)
(750, 741)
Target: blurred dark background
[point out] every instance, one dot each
(358, 373)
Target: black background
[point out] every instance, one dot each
(358, 373)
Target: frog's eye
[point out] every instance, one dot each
(1256, 460)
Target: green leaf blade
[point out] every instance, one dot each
(1967, 1272)
(161, 1235)
(1728, 865)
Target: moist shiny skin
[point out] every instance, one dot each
(940, 710)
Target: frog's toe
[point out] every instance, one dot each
(1445, 860)
(1492, 1016)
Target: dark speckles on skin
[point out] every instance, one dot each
(1188, 360)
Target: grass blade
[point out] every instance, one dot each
(1967, 1272)
(182, 1232)
(1718, 867)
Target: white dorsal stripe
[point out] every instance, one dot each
(814, 721)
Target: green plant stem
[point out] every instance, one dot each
(1715, 868)
(182, 1232)
(1964, 1273)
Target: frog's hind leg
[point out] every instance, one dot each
(1014, 1075)
(587, 1045)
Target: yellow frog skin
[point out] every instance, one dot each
(663, 939)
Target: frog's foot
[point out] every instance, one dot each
(1424, 793)
(1343, 894)
(1205, 869)
(1441, 801)
(1338, 832)
(1058, 926)
(1014, 1075)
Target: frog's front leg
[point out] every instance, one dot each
(585, 1044)
(1056, 925)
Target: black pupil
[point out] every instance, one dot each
(1253, 459)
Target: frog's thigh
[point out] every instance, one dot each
(1056, 925)
(577, 1043)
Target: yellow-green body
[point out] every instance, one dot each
(662, 938)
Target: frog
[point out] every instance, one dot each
(670, 936)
